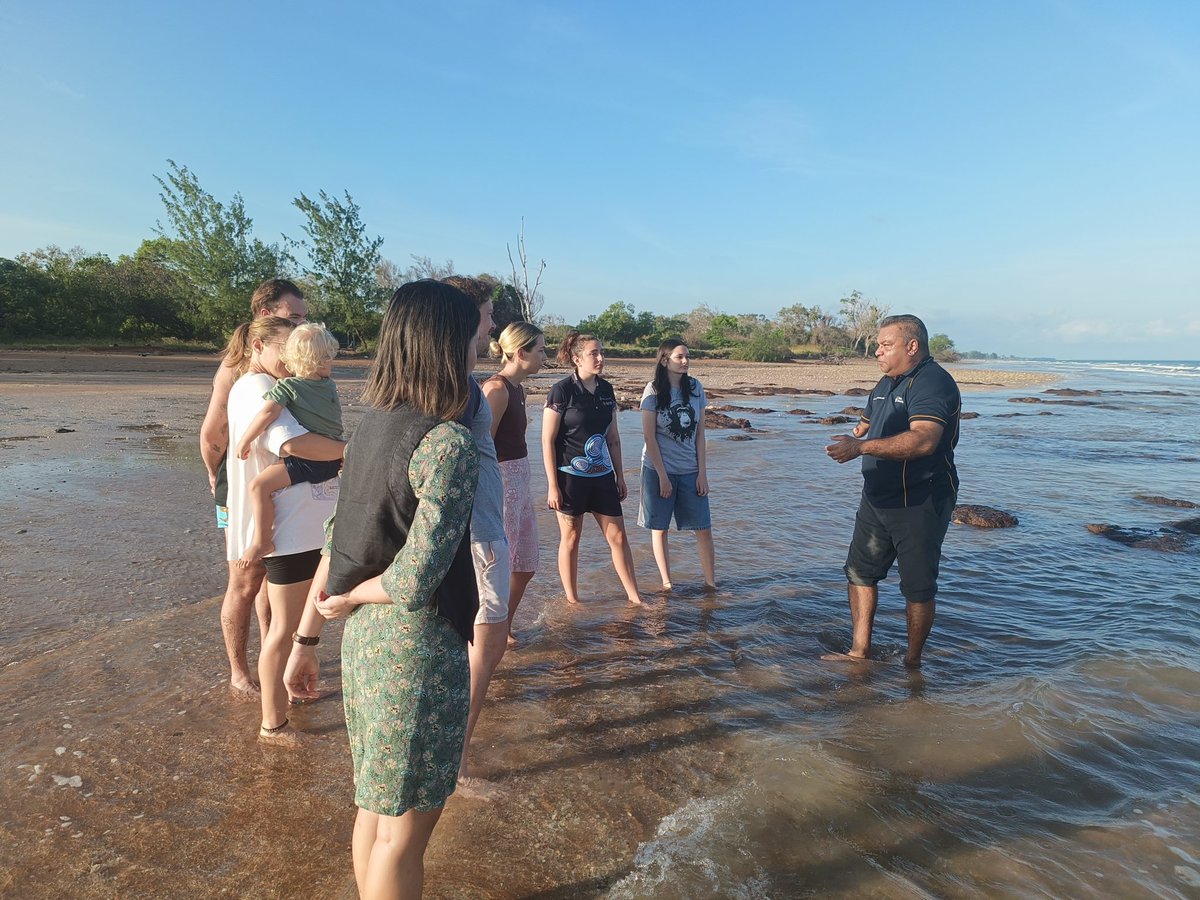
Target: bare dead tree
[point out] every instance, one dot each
(531, 300)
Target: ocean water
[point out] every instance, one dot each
(1049, 747)
(693, 747)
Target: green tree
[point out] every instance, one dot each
(941, 348)
(618, 324)
(343, 263)
(24, 290)
(767, 344)
(211, 245)
(798, 322)
(723, 330)
(860, 319)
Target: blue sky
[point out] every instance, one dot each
(1025, 176)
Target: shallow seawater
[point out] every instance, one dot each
(694, 747)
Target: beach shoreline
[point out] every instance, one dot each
(129, 769)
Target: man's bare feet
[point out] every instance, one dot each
(473, 788)
(244, 690)
(846, 657)
(912, 662)
(283, 736)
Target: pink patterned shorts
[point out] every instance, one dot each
(520, 522)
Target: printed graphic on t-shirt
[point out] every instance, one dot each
(595, 461)
(680, 421)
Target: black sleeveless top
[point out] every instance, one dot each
(375, 510)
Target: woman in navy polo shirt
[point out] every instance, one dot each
(582, 452)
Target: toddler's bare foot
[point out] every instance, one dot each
(254, 553)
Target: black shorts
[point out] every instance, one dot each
(912, 537)
(292, 568)
(581, 494)
(310, 470)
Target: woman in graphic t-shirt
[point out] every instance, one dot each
(582, 452)
(674, 475)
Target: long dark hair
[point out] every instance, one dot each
(662, 379)
(422, 354)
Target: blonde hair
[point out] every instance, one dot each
(308, 348)
(515, 336)
(241, 344)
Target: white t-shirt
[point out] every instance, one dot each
(301, 509)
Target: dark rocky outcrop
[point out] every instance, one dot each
(1166, 540)
(800, 412)
(856, 392)
(836, 420)
(1166, 501)
(968, 415)
(853, 411)
(720, 420)
(741, 409)
(739, 437)
(982, 517)
(1071, 392)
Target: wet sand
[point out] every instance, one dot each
(127, 768)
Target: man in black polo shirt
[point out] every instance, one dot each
(909, 483)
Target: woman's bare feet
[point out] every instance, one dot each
(634, 599)
(471, 787)
(282, 736)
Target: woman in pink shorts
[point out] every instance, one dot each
(521, 348)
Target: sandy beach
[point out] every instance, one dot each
(129, 770)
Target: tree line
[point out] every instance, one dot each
(796, 331)
(191, 282)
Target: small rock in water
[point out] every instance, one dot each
(64, 430)
(68, 780)
(1165, 501)
(59, 751)
(983, 517)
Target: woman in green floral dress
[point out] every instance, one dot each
(399, 567)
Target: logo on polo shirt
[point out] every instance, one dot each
(595, 460)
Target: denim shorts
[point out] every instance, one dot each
(688, 507)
